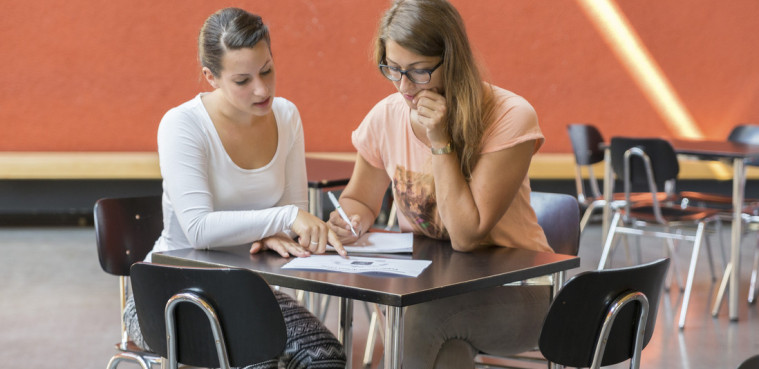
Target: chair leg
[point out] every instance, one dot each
(722, 288)
(586, 217)
(609, 241)
(370, 340)
(691, 273)
(376, 326)
(598, 204)
(127, 356)
(754, 271)
(675, 270)
(710, 259)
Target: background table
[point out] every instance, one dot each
(451, 273)
(324, 174)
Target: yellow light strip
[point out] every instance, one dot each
(626, 45)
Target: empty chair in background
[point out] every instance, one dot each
(652, 163)
(588, 148)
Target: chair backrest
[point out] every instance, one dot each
(559, 216)
(746, 134)
(571, 330)
(586, 142)
(663, 159)
(126, 230)
(750, 363)
(247, 310)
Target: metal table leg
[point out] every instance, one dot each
(345, 329)
(394, 337)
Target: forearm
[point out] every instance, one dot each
(456, 204)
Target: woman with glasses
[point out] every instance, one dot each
(456, 150)
(234, 172)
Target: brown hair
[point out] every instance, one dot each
(229, 29)
(435, 28)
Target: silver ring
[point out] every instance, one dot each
(314, 243)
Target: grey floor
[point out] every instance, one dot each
(59, 309)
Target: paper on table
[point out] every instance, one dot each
(357, 264)
(381, 242)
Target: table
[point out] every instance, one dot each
(707, 150)
(451, 273)
(323, 174)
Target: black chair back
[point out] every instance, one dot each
(586, 142)
(746, 134)
(750, 363)
(126, 230)
(663, 159)
(559, 216)
(249, 315)
(571, 329)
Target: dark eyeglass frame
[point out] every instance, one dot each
(406, 73)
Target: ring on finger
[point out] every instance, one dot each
(314, 243)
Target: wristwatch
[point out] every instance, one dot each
(447, 149)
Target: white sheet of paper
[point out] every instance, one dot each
(381, 242)
(357, 264)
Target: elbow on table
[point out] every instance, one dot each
(465, 245)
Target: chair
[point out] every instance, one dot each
(750, 363)
(587, 146)
(207, 317)
(559, 216)
(604, 317)
(125, 231)
(651, 162)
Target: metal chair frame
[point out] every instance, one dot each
(671, 229)
(213, 320)
(207, 317)
(617, 314)
(116, 252)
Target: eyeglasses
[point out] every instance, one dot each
(419, 76)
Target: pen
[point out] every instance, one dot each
(340, 211)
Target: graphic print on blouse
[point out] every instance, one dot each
(415, 198)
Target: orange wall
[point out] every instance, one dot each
(98, 77)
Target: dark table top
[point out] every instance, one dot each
(323, 173)
(451, 272)
(714, 148)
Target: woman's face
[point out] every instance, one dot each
(405, 59)
(247, 79)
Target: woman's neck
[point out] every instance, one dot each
(221, 109)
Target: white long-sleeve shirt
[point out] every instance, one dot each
(209, 201)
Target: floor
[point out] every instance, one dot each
(58, 308)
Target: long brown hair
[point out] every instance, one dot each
(435, 28)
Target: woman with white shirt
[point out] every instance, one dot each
(233, 168)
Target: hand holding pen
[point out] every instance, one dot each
(341, 213)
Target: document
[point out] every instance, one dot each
(358, 264)
(381, 242)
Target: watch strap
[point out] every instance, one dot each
(447, 149)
